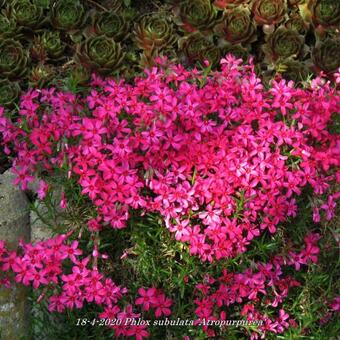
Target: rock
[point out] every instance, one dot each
(39, 230)
(14, 225)
(14, 212)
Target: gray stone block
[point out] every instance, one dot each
(14, 225)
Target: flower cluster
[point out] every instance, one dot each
(264, 284)
(153, 298)
(128, 325)
(221, 158)
(43, 265)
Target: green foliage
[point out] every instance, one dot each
(67, 15)
(100, 53)
(9, 92)
(326, 12)
(237, 26)
(112, 24)
(13, 59)
(49, 46)
(326, 55)
(8, 27)
(284, 43)
(154, 32)
(27, 13)
(197, 15)
(196, 48)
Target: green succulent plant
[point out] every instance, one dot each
(43, 3)
(48, 45)
(100, 53)
(197, 48)
(296, 22)
(8, 28)
(41, 75)
(326, 55)
(326, 12)
(68, 15)
(110, 23)
(284, 43)
(27, 13)
(9, 92)
(94, 31)
(268, 12)
(147, 58)
(154, 32)
(237, 26)
(79, 75)
(197, 15)
(13, 59)
(293, 70)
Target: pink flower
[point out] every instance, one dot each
(162, 305)
(335, 305)
(42, 190)
(63, 201)
(147, 299)
(37, 277)
(316, 215)
(139, 332)
(94, 224)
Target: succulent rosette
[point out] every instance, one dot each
(295, 22)
(237, 26)
(42, 3)
(293, 70)
(326, 55)
(326, 12)
(100, 53)
(284, 43)
(13, 59)
(47, 46)
(9, 92)
(197, 15)
(197, 48)
(52, 44)
(27, 13)
(111, 24)
(79, 75)
(147, 58)
(67, 15)
(268, 12)
(154, 32)
(8, 28)
(41, 75)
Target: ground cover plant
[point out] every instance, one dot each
(60, 42)
(193, 194)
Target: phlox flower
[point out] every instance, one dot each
(147, 298)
